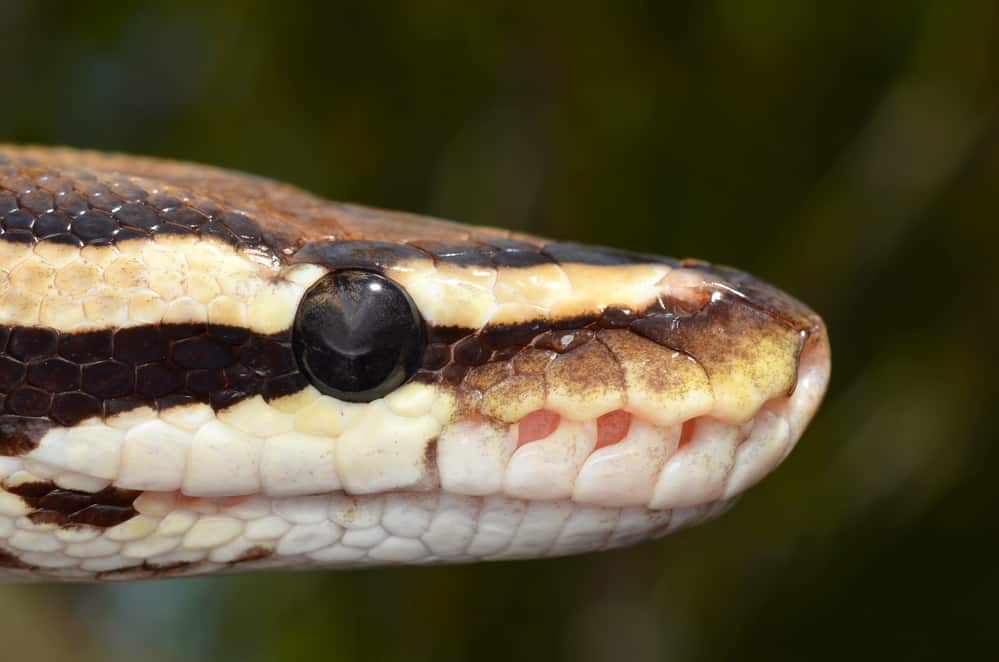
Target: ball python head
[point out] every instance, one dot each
(203, 371)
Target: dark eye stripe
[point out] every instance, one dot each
(50, 378)
(452, 351)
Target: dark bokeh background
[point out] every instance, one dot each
(848, 151)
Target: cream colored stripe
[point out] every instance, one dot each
(184, 279)
(471, 297)
(168, 279)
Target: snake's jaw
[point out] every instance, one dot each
(169, 405)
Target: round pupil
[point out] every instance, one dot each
(357, 335)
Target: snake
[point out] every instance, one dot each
(204, 372)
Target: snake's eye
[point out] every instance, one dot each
(357, 335)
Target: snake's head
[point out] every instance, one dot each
(201, 370)
(562, 375)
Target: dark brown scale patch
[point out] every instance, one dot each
(51, 223)
(511, 335)
(138, 216)
(70, 408)
(202, 352)
(78, 210)
(15, 222)
(243, 227)
(520, 258)
(55, 505)
(37, 201)
(234, 335)
(108, 379)
(470, 351)
(140, 344)
(51, 378)
(28, 342)
(72, 203)
(87, 346)
(204, 382)
(277, 387)
(435, 356)
(92, 228)
(28, 401)
(47, 517)
(157, 380)
(459, 253)
(447, 335)
(55, 375)
(617, 318)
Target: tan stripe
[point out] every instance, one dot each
(170, 280)
(472, 297)
(175, 279)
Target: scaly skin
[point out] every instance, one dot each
(155, 421)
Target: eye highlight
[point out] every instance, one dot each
(357, 335)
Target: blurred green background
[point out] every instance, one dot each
(847, 151)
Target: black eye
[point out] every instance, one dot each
(357, 335)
